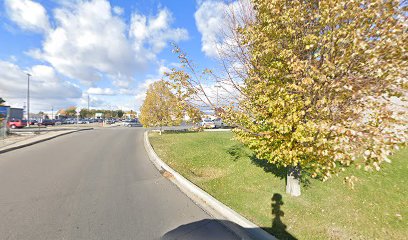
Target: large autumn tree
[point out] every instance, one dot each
(160, 107)
(317, 83)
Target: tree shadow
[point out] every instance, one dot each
(276, 170)
(235, 151)
(278, 228)
(279, 171)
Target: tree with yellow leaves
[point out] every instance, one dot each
(318, 84)
(160, 107)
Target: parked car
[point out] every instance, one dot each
(218, 123)
(71, 121)
(207, 123)
(33, 122)
(83, 121)
(131, 123)
(46, 122)
(16, 123)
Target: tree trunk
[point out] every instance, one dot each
(293, 181)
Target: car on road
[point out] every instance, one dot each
(16, 123)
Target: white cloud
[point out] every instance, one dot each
(46, 88)
(209, 18)
(213, 20)
(109, 91)
(141, 89)
(118, 10)
(154, 33)
(87, 42)
(90, 41)
(101, 91)
(164, 69)
(94, 102)
(28, 15)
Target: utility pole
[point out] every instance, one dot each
(28, 99)
(217, 86)
(52, 112)
(88, 103)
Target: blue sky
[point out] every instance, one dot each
(110, 50)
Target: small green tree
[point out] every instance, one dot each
(84, 113)
(160, 108)
(120, 113)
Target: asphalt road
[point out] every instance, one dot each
(95, 184)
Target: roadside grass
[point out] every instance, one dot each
(377, 207)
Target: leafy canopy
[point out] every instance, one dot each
(160, 108)
(321, 78)
(317, 82)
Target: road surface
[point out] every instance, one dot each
(95, 184)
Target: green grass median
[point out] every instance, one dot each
(376, 208)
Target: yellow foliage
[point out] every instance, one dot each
(160, 108)
(318, 73)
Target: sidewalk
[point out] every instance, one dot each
(14, 138)
(19, 141)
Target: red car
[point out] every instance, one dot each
(17, 123)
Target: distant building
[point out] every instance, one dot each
(16, 113)
(98, 115)
(130, 115)
(38, 116)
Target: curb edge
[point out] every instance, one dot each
(42, 140)
(247, 230)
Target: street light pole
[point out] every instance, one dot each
(217, 86)
(28, 99)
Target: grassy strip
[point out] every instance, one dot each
(376, 208)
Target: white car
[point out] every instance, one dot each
(218, 123)
(207, 123)
(131, 124)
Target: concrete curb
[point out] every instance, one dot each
(41, 140)
(246, 229)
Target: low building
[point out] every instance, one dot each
(16, 113)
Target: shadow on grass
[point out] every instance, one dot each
(278, 228)
(278, 171)
(235, 151)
